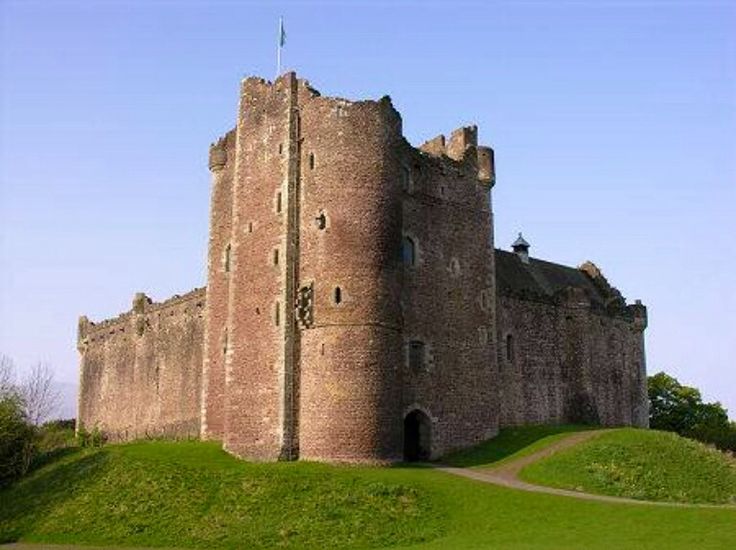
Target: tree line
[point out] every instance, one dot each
(680, 409)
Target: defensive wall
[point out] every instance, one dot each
(140, 373)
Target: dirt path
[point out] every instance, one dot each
(507, 475)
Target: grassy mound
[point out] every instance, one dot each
(191, 494)
(512, 443)
(194, 495)
(641, 464)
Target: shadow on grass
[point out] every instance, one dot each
(510, 441)
(32, 498)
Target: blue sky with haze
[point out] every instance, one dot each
(614, 125)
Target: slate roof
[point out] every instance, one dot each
(541, 279)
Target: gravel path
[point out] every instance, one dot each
(507, 475)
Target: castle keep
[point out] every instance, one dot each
(356, 309)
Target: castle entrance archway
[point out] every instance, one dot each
(417, 436)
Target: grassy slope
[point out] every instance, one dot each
(641, 464)
(510, 444)
(192, 494)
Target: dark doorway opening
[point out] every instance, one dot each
(417, 436)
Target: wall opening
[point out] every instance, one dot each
(281, 148)
(484, 305)
(311, 161)
(250, 227)
(338, 295)
(277, 314)
(275, 256)
(278, 202)
(509, 348)
(408, 251)
(416, 355)
(406, 179)
(455, 267)
(417, 436)
(226, 258)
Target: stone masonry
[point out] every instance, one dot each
(355, 308)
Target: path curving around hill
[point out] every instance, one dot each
(507, 475)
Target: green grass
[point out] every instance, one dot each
(641, 464)
(192, 495)
(510, 444)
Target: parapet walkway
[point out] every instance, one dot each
(507, 475)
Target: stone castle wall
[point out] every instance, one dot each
(140, 373)
(220, 262)
(448, 297)
(350, 350)
(569, 364)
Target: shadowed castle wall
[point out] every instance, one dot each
(570, 364)
(140, 373)
(448, 294)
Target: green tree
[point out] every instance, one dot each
(677, 408)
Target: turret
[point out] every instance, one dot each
(521, 248)
(638, 312)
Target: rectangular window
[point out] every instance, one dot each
(416, 355)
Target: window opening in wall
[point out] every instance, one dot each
(405, 179)
(455, 266)
(442, 190)
(278, 201)
(509, 347)
(338, 295)
(416, 355)
(484, 300)
(281, 148)
(408, 251)
(275, 256)
(250, 227)
(311, 161)
(225, 343)
(320, 221)
(277, 314)
(226, 260)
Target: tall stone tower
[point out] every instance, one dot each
(322, 333)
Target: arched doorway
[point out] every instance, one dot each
(417, 436)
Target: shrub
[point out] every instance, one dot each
(17, 439)
(95, 438)
(58, 434)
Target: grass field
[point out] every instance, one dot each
(193, 495)
(641, 464)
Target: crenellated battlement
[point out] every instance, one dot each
(89, 331)
(462, 147)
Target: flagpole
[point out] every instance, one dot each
(278, 47)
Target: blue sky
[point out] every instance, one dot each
(614, 125)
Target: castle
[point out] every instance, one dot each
(356, 309)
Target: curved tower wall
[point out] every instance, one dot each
(350, 238)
